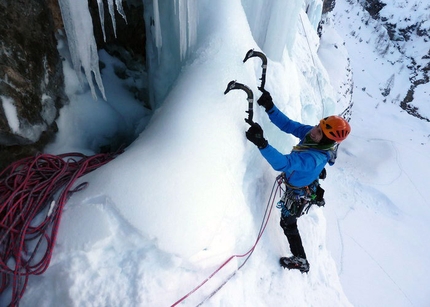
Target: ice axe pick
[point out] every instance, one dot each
(252, 53)
(233, 85)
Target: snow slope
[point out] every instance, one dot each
(381, 219)
(190, 191)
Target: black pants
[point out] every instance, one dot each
(289, 225)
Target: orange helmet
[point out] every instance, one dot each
(335, 128)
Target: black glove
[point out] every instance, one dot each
(323, 174)
(265, 99)
(255, 135)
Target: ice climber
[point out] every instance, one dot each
(301, 169)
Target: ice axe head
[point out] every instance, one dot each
(233, 85)
(248, 55)
(230, 86)
(252, 53)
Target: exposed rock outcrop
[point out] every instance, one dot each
(328, 6)
(31, 76)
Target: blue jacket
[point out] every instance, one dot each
(301, 168)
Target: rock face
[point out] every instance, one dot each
(402, 33)
(328, 6)
(31, 76)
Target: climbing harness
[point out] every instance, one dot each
(252, 53)
(33, 192)
(297, 201)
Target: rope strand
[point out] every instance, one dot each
(248, 254)
(33, 192)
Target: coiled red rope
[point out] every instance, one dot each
(248, 254)
(33, 192)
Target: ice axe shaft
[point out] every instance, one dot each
(233, 85)
(252, 53)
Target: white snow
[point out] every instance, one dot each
(421, 100)
(86, 125)
(11, 113)
(23, 128)
(191, 191)
(381, 220)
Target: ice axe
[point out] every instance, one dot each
(233, 85)
(252, 53)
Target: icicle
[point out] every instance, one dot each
(112, 14)
(82, 44)
(102, 17)
(111, 8)
(182, 16)
(192, 22)
(187, 12)
(120, 9)
(157, 26)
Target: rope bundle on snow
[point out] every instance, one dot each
(33, 192)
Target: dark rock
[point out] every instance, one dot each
(31, 76)
(328, 6)
(374, 7)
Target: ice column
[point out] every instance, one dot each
(273, 31)
(82, 44)
(171, 28)
(157, 25)
(314, 11)
(184, 17)
(187, 12)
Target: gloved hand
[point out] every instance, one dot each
(255, 135)
(265, 99)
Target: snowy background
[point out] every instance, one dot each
(190, 191)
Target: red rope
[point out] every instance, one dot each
(248, 254)
(33, 192)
